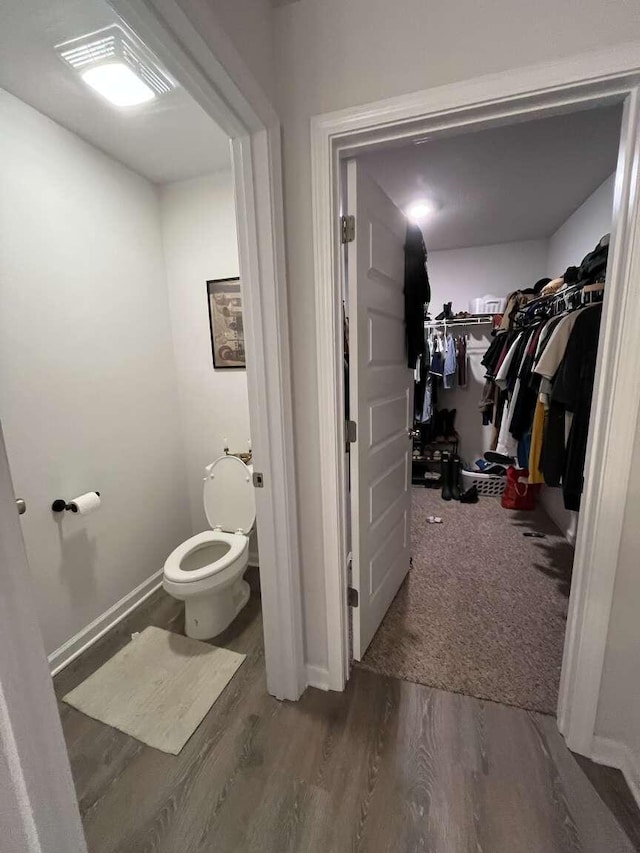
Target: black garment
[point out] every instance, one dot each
(552, 453)
(573, 389)
(513, 370)
(492, 355)
(461, 360)
(594, 265)
(418, 395)
(525, 404)
(417, 292)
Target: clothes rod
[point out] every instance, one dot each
(461, 321)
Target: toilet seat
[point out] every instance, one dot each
(206, 571)
(237, 542)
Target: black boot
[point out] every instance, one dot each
(445, 468)
(446, 313)
(454, 477)
(441, 423)
(450, 423)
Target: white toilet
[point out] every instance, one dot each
(206, 571)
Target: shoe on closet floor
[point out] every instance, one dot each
(455, 467)
(445, 468)
(485, 467)
(500, 458)
(470, 496)
(451, 467)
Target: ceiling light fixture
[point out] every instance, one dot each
(117, 83)
(116, 66)
(421, 210)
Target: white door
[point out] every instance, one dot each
(38, 807)
(381, 403)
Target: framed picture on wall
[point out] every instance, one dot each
(225, 322)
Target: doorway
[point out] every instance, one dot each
(501, 212)
(434, 113)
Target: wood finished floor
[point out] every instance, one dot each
(385, 766)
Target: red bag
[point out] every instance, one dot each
(519, 493)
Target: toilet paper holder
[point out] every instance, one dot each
(60, 505)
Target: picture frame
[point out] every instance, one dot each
(226, 324)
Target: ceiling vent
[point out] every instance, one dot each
(113, 50)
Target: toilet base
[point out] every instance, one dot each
(206, 616)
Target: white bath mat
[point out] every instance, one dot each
(158, 688)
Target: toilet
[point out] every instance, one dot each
(206, 571)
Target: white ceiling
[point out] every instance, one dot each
(517, 182)
(166, 140)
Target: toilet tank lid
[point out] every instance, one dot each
(229, 499)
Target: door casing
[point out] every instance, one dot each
(595, 79)
(230, 96)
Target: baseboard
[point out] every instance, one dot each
(74, 647)
(317, 676)
(615, 754)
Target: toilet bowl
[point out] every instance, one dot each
(206, 571)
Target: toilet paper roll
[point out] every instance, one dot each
(84, 504)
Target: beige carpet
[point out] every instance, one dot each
(483, 610)
(157, 688)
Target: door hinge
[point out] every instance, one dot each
(347, 229)
(352, 597)
(258, 480)
(351, 432)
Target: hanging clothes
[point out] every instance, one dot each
(573, 390)
(537, 433)
(422, 375)
(428, 404)
(450, 363)
(436, 351)
(541, 370)
(461, 359)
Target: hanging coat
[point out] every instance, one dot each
(417, 292)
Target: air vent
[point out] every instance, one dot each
(113, 46)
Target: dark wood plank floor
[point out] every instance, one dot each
(386, 766)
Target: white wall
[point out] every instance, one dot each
(340, 53)
(464, 274)
(200, 243)
(461, 275)
(583, 229)
(249, 24)
(567, 247)
(88, 390)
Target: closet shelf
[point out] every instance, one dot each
(461, 321)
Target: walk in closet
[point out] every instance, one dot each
(506, 253)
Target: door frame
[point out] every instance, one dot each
(611, 75)
(199, 54)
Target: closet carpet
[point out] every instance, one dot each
(483, 610)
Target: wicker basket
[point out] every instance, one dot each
(487, 484)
